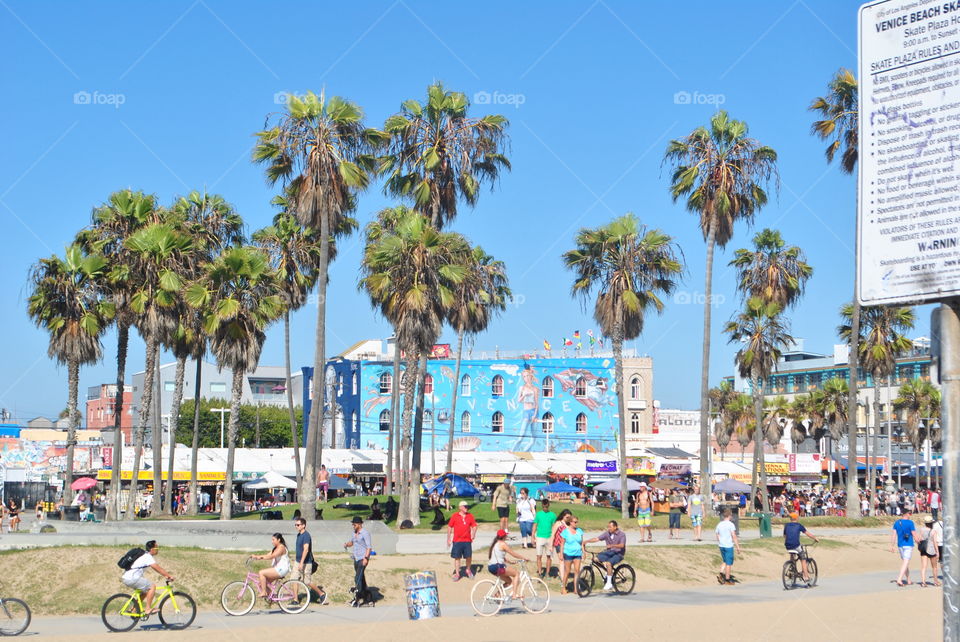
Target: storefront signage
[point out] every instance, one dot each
(594, 466)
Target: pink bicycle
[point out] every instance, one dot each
(238, 598)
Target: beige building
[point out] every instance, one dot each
(638, 390)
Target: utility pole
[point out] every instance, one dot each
(223, 412)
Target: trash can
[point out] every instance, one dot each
(100, 513)
(423, 600)
(766, 521)
(70, 513)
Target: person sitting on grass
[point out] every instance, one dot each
(134, 577)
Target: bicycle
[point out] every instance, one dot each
(14, 616)
(488, 596)
(237, 598)
(624, 577)
(122, 611)
(792, 571)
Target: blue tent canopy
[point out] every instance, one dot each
(461, 487)
(560, 487)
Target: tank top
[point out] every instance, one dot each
(497, 555)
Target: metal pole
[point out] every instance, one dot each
(889, 428)
(222, 412)
(946, 334)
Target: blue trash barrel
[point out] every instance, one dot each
(423, 600)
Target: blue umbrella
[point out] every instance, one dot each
(461, 487)
(560, 487)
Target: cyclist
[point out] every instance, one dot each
(134, 577)
(791, 541)
(497, 564)
(280, 564)
(616, 541)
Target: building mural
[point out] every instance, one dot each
(45, 459)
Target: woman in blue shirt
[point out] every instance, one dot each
(572, 552)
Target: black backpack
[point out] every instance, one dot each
(130, 557)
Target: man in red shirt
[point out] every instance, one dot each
(461, 530)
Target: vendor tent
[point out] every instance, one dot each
(614, 485)
(559, 487)
(731, 486)
(461, 487)
(270, 479)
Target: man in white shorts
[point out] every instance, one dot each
(543, 530)
(134, 577)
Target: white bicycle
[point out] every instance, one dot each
(488, 596)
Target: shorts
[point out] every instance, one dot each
(324, 486)
(141, 583)
(613, 557)
(696, 520)
(544, 547)
(906, 552)
(503, 511)
(460, 550)
(726, 554)
(674, 520)
(644, 518)
(497, 569)
(799, 552)
(306, 575)
(571, 558)
(526, 529)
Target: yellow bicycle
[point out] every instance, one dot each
(122, 611)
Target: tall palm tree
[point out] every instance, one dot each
(919, 402)
(881, 340)
(743, 423)
(720, 399)
(65, 301)
(123, 213)
(411, 274)
(838, 124)
(156, 252)
(762, 333)
(722, 173)
(777, 413)
(806, 418)
(481, 295)
(771, 270)
(630, 268)
(240, 296)
(438, 155)
(320, 149)
(832, 399)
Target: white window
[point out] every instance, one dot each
(635, 424)
(356, 383)
(580, 390)
(496, 386)
(547, 387)
(384, 420)
(581, 423)
(386, 383)
(465, 386)
(427, 418)
(498, 421)
(218, 386)
(428, 384)
(340, 385)
(168, 386)
(465, 421)
(547, 421)
(635, 388)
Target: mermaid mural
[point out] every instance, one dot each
(528, 400)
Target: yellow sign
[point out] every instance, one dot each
(492, 479)
(776, 467)
(147, 475)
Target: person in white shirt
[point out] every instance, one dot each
(280, 564)
(134, 577)
(726, 539)
(526, 510)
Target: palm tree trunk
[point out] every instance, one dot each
(116, 468)
(195, 444)
(399, 473)
(876, 431)
(73, 383)
(453, 404)
(706, 481)
(853, 499)
(226, 509)
(393, 444)
(409, 392)
(157, 507)
(617, 340)
(146, 400)
(761, 457)
(757, 439)
(174, 420)
(295, 441)
(417, 449)
(308, 493)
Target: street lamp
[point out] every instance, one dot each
(222, 412)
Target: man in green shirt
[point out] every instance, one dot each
(543, 529)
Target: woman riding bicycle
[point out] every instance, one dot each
(497, 563)
(280, 566)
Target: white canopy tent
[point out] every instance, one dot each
(270, 479)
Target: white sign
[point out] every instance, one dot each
(678, 421)
(908, 223)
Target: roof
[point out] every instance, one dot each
(672, 453)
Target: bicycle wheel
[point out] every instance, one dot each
(14, 616)
(789, 575)
(237, 598)
(111, 613)
(293, 596)
(177, 610)
(812, 571)
(535, 595)
(487, 597)
(624, 579)
(585, 581)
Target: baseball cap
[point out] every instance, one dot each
(643, 484)
(928, 520)
(464, 504)
(794, 515)
(501, 533)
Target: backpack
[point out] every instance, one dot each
(131, 556)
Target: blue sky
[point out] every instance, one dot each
(174, 92)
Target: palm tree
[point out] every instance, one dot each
(630, 268)
(776, 416)
(320, 150)
(65, 300)
(123, 213)
(240, 296)
(720, 400)
(918, 400)
(742, 420)
(438, 155)
(771, 270)
(881, 340)
(806, 409)
(839, 126)
(411, 274)
(833, 404)
(483, 293)
(722, 173)
(763, 333)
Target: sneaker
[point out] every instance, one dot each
(469, 573)
(542, 573)
(456, 577)
(323, 600)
